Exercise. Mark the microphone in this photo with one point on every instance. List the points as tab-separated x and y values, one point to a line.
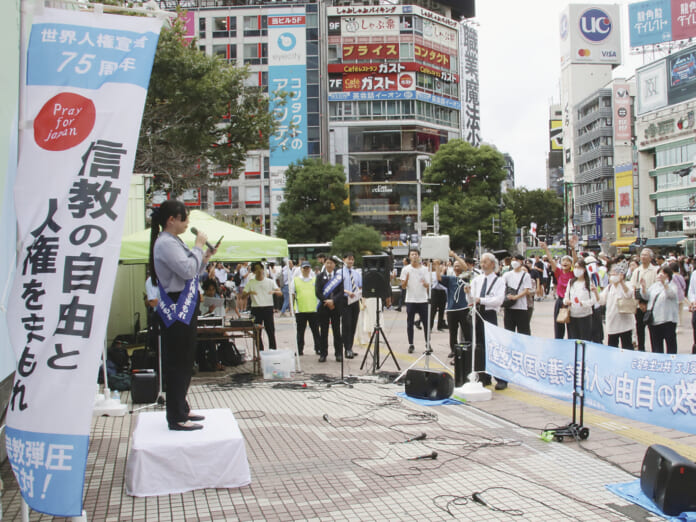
422	436
326	418
194	231
432	456
337	260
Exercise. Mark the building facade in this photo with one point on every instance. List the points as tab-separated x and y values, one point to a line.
380	89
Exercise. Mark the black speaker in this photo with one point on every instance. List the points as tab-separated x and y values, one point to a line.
144	386
377	276
462	363
669	480
434	385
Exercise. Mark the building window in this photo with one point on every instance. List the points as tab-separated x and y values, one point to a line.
251	54
406	51
251	26
334	54
201	28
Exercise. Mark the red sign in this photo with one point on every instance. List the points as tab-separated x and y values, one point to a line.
391	68
286	20
362	82
432	56
406	81
381	51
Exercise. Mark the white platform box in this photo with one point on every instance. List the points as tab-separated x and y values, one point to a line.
163	462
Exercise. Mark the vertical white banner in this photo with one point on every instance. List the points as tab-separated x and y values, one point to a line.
84	93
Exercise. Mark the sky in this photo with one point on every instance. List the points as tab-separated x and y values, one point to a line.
519	71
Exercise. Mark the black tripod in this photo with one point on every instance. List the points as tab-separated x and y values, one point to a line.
377	332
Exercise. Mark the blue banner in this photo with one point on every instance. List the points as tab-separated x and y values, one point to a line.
655	388
88	57
650	22
395	95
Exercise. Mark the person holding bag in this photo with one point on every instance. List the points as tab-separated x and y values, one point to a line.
618	297
563	274
518	284
580	297
662	311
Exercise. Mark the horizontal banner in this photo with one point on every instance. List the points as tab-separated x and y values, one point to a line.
654	388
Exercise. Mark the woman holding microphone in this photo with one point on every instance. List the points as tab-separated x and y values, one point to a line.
175	269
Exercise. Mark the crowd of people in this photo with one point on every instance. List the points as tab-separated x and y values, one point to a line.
597	298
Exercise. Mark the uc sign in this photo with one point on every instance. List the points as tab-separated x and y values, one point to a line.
595	25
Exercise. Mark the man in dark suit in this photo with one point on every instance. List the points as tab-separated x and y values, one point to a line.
329	290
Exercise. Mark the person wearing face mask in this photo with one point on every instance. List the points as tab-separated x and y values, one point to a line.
580	297
662	302
517	317
563	275
619	325
646	273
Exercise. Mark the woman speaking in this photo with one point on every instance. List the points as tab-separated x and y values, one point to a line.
175	269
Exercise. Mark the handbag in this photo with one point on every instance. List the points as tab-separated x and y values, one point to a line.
627	305
509	291
563	315
647	317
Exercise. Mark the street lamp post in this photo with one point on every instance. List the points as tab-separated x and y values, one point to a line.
418	193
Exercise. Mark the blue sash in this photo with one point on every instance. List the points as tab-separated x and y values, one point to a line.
183	309
331	285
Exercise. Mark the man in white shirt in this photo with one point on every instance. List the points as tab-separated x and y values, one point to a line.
261	289
487	292
516	317
691	296
645	272
416	280
352	293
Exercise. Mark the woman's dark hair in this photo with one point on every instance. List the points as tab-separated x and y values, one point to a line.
667	270
160	216
582	263
210	282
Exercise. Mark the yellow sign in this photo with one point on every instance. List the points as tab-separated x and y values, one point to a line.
623	183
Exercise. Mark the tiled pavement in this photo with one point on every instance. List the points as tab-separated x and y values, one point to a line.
354	466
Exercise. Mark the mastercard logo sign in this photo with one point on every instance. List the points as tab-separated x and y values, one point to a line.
584	52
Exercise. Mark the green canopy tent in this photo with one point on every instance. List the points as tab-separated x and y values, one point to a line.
238	244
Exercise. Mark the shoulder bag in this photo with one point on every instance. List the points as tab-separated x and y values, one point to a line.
563	315
509	291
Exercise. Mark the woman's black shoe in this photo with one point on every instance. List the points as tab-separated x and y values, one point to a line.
185	426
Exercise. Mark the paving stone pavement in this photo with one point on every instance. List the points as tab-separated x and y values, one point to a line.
355	466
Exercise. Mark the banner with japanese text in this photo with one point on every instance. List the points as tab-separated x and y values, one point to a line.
287	72
658	389
83	96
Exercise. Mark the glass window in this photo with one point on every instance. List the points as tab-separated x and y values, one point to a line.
201	28
312	49
406	24
220	28
333	53
406	51
251	54
251	23
220	50
312	21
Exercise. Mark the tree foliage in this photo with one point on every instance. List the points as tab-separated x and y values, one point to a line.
467	188
314	210
199	116
543	207
358	239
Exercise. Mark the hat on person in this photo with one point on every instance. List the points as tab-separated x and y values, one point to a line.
590	259
306	264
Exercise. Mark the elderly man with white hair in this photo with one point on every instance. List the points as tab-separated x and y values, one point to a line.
645	273
487	292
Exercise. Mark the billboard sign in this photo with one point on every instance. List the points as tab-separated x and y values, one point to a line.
590	34
623	181
369	26
287	71
556	134
649	22
683	19
651	82
375	51
681	84
622	112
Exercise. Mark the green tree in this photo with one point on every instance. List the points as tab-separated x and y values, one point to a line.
543	207
199	117
314	210
467	183
359	239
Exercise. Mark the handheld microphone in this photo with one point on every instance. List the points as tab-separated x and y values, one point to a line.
432	456
326	418
422	436
194	231
337	260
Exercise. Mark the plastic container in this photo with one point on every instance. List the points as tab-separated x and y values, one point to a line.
277	364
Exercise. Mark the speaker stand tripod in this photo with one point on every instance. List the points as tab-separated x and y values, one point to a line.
378	333
428	353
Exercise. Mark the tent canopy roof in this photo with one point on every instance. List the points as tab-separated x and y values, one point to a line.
238	244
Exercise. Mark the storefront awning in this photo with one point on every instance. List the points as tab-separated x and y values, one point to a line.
624	242
664	241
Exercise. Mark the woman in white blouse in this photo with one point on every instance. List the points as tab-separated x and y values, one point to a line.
580	298
619	325
662	297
